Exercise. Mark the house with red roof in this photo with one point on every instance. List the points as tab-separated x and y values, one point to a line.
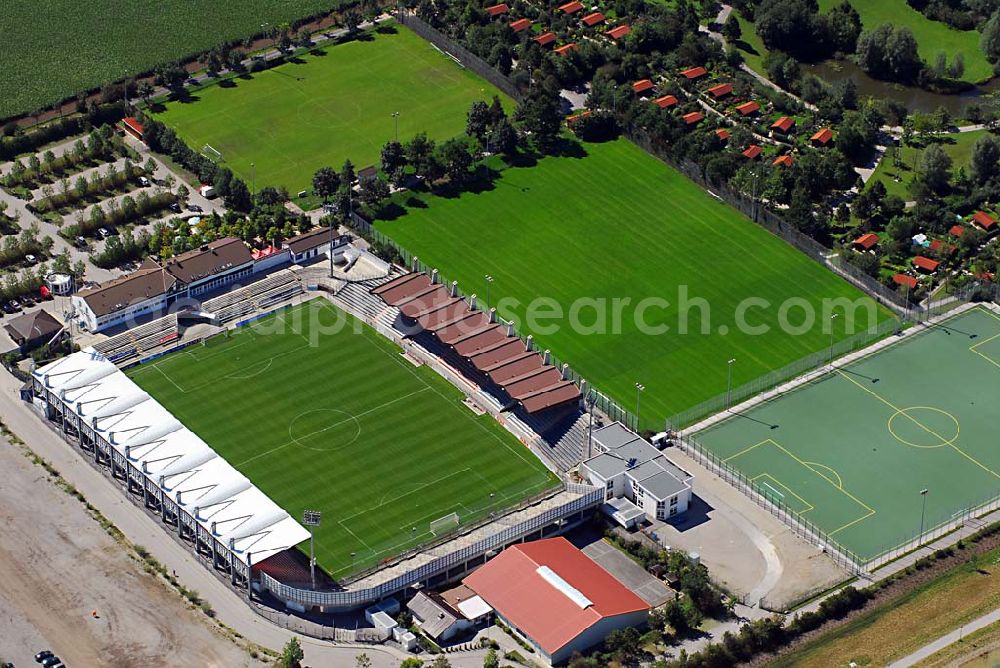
694	73
693	117
593	19
132	126
545	38
905	280
783	125
642	86
984	221
665	102
865	242
497	10
723	134
520	25
556	597
748	108
618	32
783	161
925	264
719	91
564	49
752	152
571	7
956	231
822	137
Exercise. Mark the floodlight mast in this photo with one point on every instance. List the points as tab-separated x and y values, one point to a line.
312	518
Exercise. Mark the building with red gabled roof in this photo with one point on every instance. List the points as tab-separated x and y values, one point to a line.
571	7
694	73
865	242
564	49
593	19
783	124
984	221
939	246
748	108
642	86
904	279
720	91
753	151
619	31
783	160
570	120
822	137
956	231
557	597
692	117
132	126
498	10
723	134
545	38
665	102
520	25
925	264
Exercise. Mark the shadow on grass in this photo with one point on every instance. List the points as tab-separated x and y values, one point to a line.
743	45
385	29
393	210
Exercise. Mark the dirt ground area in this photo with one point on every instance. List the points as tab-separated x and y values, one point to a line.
746	549
58	565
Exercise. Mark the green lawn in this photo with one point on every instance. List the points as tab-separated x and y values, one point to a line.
333	105
52	50
618	224
897	179
851	451
931	36
322	413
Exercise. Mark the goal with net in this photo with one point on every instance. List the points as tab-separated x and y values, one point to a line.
444	524
211	153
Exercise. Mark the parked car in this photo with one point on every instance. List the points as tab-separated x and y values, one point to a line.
11	307
105	232
143	181
175	207
30	259
195	208
7	664
44	654
81	242
26	301
52	662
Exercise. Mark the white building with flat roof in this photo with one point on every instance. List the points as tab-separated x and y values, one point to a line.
629	467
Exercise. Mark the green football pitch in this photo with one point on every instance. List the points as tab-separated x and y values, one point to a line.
322	413
581	232
331	105
851	451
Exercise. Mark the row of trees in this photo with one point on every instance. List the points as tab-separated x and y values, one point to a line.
129	210
122	248
15	247
99	185
797	27
17	141
101	145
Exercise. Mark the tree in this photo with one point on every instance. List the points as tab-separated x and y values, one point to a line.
325	183
478	121
731	29
455	159
935	169
171	76
985	158
374	192
441	662
347	173
889	52
292	654
393	157
491	660
239	198
989	41
540	114
418	153
411	662
503	138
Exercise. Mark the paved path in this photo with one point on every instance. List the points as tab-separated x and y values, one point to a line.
932	648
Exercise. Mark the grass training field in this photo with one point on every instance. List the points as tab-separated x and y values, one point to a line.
52	50
958	145
333	105
619	224
344	425
931	36
852	451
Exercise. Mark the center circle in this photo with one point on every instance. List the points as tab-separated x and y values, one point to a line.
324	429
924	427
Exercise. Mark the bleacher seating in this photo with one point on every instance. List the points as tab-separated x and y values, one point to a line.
259	295
139	339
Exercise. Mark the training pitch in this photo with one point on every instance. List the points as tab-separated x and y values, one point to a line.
342	423
608	222
330	105
852	451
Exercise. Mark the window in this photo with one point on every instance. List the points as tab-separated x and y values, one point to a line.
673	501
673	511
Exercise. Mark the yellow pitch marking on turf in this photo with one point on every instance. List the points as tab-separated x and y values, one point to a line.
808	506
746	450
839	484
922	426
986	357
906	413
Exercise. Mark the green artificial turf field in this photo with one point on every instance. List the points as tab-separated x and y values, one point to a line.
344	425
293	119
620	224
54	49
958	145
931	36
851	451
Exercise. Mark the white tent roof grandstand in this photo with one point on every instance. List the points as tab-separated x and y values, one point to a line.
221	499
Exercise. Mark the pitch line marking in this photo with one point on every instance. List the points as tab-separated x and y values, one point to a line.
746	450
840	482
808	506
986	357
393	500
917	422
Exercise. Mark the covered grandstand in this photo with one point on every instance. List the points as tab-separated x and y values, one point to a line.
209	503
492	348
